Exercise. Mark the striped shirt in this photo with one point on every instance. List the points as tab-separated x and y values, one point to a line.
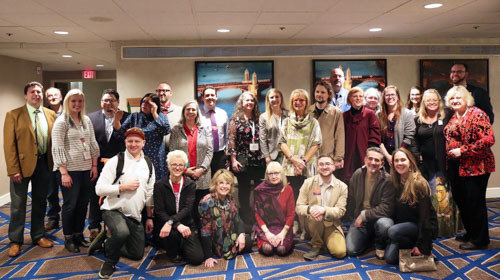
70	142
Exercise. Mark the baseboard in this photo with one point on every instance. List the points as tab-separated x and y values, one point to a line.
492	192
4	199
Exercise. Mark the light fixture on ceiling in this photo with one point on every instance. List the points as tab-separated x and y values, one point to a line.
99	65
223	30
100	19
375	29
66	56
433	6
60	32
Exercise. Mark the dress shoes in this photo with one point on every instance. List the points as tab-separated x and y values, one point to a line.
80	240
462	238
71	246
45	243
51	225
471	246
14	250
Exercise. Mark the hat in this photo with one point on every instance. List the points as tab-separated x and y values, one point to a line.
135	131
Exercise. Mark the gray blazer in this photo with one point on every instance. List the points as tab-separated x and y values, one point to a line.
269	137
405	131
204	151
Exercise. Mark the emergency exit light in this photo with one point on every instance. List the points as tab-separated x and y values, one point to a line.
88	74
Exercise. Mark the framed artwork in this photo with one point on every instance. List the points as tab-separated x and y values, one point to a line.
435	73
364	73
231	78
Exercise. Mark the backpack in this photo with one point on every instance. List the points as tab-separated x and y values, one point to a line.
119	166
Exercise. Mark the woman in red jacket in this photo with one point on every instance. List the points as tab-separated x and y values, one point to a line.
469	137
361	128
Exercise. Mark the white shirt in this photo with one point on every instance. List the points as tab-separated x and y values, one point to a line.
128	203
221	119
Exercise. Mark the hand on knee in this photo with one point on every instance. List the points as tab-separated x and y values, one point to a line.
266	249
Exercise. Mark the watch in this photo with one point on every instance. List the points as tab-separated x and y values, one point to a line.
170	222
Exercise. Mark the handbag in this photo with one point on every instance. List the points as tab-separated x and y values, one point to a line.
409	263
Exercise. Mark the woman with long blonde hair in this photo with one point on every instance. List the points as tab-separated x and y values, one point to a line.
415	220
270	123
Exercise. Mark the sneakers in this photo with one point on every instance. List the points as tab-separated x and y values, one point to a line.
106	271
380	254
312	254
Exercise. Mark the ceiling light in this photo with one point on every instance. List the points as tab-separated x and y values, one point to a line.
223	30
61	32
99	65
67	56
376	29
433	6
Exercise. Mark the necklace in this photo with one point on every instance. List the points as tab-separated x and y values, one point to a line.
224	206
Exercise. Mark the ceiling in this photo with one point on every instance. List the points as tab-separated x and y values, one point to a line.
94	26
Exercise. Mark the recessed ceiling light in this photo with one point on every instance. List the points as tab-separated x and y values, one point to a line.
433	6
67	56
101	19
376	29
99	65
223	30
59	32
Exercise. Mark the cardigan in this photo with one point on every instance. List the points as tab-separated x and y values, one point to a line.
331	123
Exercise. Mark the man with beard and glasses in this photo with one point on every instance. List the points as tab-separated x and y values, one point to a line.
458	77
323	200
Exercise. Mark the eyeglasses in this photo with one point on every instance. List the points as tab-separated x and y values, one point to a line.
431	101
457	72
174	165
163	90
390	95
108	100
299	100
272	174
325	164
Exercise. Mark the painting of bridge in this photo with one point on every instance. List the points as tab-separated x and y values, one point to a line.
231	78
435	73
358	73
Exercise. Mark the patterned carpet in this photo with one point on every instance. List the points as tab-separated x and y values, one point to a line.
56	263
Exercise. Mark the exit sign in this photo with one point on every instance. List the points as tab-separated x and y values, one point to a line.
88	74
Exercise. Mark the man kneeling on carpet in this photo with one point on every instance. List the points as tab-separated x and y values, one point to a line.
126	194
323	200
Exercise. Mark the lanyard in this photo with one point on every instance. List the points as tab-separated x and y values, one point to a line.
252	123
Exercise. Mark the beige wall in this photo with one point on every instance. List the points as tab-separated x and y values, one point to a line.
14	74
136	77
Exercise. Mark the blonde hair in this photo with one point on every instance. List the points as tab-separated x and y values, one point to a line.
222	175
276	165
422	113
299	93
269	110
197	119
81	114
416	186
382	115
463	92
353	91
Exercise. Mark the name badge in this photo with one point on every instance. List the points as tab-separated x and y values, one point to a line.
440	122
316	192
254	147
86	155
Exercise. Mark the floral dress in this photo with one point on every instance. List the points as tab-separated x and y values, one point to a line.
220	226
240	138
154	130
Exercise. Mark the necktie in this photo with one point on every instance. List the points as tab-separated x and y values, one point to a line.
215	131
39	134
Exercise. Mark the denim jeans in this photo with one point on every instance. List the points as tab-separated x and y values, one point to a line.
127	237
75	201
360	239
53	198
401	236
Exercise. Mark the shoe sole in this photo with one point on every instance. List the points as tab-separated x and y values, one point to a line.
94	245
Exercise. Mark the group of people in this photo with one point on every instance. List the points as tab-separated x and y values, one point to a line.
337	155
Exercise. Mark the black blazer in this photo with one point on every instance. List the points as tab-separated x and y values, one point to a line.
115	144
482	100
165	203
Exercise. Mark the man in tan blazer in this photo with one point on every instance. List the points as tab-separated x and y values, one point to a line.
323	200
27	149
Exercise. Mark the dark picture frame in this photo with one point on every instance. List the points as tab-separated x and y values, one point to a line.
231	78
364	73
435	73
